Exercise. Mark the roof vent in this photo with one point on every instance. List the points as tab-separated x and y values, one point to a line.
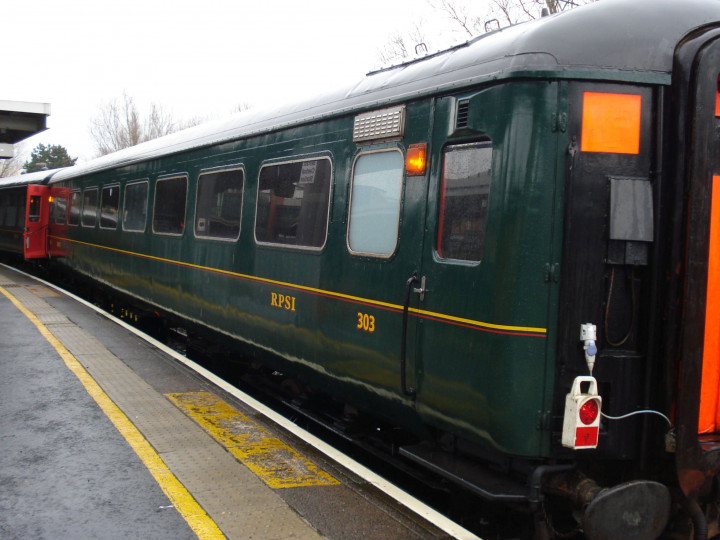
461	118
379	125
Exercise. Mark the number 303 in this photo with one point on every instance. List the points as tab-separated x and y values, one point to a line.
366	322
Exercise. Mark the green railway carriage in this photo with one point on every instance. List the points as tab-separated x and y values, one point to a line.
486	247
321	235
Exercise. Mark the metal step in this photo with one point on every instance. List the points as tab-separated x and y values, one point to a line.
479	479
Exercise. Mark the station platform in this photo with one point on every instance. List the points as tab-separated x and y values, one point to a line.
104	435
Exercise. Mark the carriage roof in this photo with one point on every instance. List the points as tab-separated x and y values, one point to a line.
631	40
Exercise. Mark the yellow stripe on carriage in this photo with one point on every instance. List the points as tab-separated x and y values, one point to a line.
500	328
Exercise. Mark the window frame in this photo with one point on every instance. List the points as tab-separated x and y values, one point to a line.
482	143
216	170
82	212
167	178
400	202
100	206
278	163
124	205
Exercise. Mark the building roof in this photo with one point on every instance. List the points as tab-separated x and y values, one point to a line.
20	120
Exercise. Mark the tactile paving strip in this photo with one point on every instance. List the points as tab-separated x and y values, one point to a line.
278	465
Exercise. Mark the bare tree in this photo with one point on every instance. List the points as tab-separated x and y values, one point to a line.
10	167
116	126
402	46
119	125
14	165
555	6
470	20
159	123
461	15
244	106
515	11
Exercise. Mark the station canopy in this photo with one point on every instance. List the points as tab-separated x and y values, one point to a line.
20	120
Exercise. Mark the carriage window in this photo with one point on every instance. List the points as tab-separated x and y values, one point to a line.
74	216
169	210
109	204
19	209
293	203
375	203
58	210
15	211
6	205
219	201
34	209
135	207
464	201
89	207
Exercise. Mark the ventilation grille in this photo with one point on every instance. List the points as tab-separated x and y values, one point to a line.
461	118
382	124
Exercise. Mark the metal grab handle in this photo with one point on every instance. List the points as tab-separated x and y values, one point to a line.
29	232
422	290
410	392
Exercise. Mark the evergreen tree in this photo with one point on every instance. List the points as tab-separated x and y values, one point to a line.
51	156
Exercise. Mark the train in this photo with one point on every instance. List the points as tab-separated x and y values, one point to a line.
508	251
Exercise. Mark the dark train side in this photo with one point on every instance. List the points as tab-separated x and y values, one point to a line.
510	249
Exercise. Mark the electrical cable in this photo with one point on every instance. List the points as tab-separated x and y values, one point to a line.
607	310
647	411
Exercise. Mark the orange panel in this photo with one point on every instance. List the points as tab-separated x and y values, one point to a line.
709	417
717	97
611	123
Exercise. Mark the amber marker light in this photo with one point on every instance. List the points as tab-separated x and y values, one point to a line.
416	159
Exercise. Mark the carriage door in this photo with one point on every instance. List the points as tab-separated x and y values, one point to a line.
37	212
698	403
488	268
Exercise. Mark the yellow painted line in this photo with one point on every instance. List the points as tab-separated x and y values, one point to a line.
520	330
201	524
278	465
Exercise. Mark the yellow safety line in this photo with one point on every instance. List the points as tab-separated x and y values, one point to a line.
273	461
191	511
501	328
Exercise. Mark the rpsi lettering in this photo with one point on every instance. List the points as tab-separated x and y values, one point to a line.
282	301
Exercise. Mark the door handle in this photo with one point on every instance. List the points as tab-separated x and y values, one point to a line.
421	290
410	392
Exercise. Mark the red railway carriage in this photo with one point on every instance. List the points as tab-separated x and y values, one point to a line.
25	215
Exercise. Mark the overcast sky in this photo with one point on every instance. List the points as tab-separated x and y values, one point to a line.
198	58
